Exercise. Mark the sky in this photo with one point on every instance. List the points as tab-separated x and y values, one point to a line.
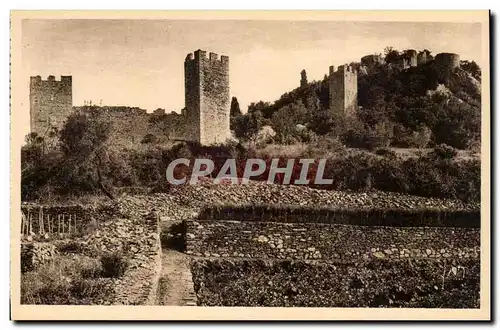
141	62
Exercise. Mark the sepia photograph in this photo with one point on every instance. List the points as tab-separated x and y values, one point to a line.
320	161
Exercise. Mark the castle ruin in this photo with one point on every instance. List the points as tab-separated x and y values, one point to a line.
372	60
445	63
343	86
51	102
207	98
205	118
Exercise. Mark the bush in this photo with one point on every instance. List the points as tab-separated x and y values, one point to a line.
386	152
324	145
444	151
85	289
91	270
113	264
149	138
70	247
65	281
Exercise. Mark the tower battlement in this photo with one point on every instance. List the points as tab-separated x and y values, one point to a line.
207	97
201	55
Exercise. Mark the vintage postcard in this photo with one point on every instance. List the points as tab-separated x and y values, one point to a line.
224	165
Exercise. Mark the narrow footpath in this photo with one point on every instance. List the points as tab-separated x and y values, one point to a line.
175	287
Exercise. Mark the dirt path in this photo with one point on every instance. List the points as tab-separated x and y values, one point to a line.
175	287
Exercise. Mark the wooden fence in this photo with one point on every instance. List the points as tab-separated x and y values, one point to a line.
42	219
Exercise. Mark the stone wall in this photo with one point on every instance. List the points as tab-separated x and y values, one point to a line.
141	240
36	253
207	97
131	124
302	241
416	216
372	60
137	240
50	103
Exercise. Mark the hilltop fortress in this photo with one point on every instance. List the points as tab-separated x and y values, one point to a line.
205	118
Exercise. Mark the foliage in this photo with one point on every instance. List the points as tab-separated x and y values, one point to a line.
113	264
67	280
149	138
444	151
472	68
286	121
246	127
235	108
371	283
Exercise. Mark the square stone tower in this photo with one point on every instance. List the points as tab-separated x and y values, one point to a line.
51	102
343	90
207	97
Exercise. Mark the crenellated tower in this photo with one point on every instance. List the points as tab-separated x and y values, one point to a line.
207	99
51	102
343	90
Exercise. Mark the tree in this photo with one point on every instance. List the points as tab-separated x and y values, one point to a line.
422	137
40	168
472	68
32	152
235	108
265	108
391	55
234	112
247	127
83	143
285	121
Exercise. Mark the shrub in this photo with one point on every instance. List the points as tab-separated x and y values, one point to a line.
324	145
386	152
113	264
65	281
444	151
91	270
86	289
70	247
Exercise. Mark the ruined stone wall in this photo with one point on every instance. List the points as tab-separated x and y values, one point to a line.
320	241
422	58
343	90
412	57
51	103
131	124
207	97
371	60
